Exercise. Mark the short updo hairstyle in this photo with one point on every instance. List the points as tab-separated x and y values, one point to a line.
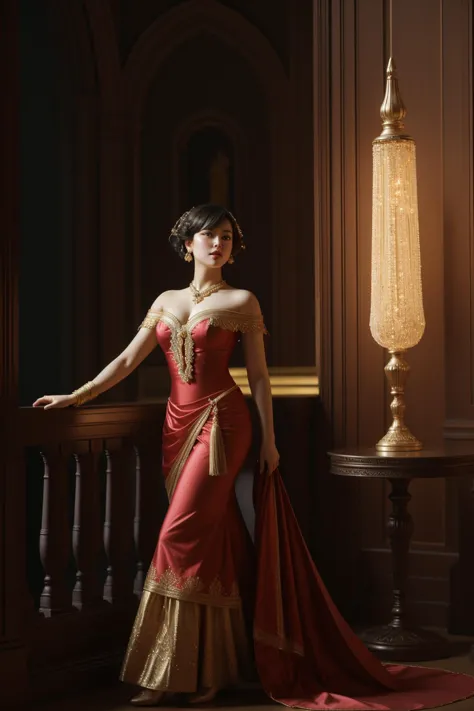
204	217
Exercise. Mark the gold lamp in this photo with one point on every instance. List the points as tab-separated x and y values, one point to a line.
397	320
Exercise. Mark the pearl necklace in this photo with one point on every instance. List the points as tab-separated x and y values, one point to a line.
199	295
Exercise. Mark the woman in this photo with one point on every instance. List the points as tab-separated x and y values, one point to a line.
190	634
191	596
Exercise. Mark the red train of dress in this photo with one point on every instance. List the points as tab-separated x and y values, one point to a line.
307	655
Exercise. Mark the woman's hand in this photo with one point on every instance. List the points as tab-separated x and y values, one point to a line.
47	402
269	456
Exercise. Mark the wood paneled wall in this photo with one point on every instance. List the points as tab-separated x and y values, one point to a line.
458	216
13	653
432	46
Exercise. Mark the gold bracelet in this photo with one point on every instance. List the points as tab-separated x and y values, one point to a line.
150	321
84	393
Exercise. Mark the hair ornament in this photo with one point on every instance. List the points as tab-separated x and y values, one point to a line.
239	231
181	220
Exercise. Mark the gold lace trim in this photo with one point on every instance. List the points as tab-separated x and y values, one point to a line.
182	344
191	588
244	324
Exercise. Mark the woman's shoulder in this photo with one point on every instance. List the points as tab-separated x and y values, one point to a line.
165	300
245	301
243	313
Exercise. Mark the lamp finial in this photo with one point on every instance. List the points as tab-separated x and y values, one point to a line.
393	109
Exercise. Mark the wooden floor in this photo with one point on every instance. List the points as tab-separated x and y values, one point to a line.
116	698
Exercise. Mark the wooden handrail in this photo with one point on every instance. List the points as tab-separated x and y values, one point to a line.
36	427
114	452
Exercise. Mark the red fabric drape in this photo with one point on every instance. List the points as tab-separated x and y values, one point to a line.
307	656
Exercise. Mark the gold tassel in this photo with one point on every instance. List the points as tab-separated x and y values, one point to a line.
217	459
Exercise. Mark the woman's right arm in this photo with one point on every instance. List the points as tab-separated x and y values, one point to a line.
118	369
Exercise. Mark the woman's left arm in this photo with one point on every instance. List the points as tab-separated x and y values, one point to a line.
259	382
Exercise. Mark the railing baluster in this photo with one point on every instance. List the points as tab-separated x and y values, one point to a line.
108	586
71	649
118	525
150	506
54	541
139	577
86	533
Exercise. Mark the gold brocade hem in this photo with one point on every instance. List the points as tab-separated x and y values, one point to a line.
191	588
180	646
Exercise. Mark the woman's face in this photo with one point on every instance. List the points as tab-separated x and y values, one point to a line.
212	247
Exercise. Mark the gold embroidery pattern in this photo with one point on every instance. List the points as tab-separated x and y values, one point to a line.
182	344
170	584
181	340
150	321
170	581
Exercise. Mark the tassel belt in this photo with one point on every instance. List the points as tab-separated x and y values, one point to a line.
217	458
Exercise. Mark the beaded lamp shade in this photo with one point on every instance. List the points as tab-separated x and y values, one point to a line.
397	319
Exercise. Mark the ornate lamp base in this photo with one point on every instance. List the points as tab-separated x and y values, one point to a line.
398	438
405	644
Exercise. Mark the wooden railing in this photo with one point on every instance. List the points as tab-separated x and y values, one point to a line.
94	503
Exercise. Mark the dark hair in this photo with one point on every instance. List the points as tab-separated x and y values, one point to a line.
201	218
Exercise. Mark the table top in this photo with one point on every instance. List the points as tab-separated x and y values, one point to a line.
442	459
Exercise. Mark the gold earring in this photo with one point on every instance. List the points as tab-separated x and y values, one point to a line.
231	260
188	257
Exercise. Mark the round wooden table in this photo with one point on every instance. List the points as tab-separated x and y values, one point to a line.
400	639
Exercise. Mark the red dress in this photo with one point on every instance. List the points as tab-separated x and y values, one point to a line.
190	631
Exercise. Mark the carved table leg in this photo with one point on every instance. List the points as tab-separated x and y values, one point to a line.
400	640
